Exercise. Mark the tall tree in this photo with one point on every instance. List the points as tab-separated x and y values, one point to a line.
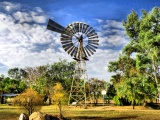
139	62
144	33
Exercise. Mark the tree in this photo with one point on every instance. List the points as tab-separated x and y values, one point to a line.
1	88
62	72
8	85
35	72
59	97
30	99
136	75
95	88
43	78
12	86
144	33
17	73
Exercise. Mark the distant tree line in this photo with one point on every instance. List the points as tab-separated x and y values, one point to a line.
42	79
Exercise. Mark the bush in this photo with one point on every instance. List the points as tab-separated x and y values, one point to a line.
30	100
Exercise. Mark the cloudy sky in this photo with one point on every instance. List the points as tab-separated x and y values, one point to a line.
25	41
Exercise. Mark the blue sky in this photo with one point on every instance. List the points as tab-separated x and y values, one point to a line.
25	41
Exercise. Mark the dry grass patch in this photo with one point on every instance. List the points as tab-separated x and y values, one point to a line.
101	113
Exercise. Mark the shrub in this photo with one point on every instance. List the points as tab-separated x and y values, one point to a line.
30	99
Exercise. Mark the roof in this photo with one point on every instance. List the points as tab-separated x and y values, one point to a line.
10	95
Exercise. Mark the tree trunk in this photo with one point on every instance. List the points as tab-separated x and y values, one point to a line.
50	101
133	103
155	72
60	110
144	101
2	100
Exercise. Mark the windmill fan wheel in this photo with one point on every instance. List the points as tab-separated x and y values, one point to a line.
79	40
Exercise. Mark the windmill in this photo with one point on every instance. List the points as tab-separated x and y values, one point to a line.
80	41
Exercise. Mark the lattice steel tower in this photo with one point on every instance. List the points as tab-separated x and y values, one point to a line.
80	41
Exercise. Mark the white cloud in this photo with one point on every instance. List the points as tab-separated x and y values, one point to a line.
113	23
111	33
97	65
99	20
18	39
9	7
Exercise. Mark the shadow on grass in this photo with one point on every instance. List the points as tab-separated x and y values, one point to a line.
101	118
155	106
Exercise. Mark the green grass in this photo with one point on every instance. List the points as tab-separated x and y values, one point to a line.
102	112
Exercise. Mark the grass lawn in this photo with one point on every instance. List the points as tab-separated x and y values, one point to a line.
100	113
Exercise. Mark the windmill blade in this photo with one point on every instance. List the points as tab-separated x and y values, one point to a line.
93	40
93	46
76	26
85	28
90	29
73	24
70	50
91	32
89	50
66	49
72	28
72	53
67	45
65	35
67	32
84	52
80	28
75	52
93	43
93	37
65	39
66	42
94	34
53	26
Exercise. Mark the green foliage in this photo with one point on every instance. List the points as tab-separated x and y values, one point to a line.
9	85
45	77
62	72
49	75
40	78
117	101
137	68
16	73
